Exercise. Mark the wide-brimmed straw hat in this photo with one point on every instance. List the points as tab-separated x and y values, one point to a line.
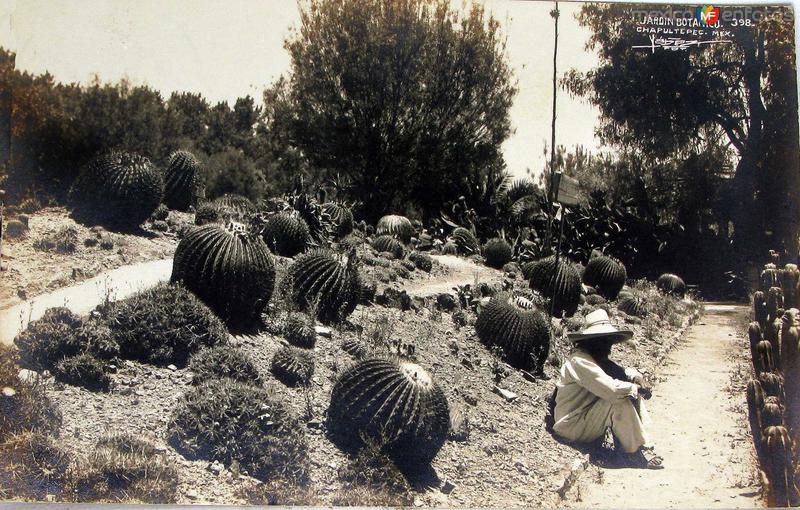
598	326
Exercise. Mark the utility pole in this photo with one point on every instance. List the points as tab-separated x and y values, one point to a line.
554	14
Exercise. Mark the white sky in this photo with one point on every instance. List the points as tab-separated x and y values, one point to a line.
227	49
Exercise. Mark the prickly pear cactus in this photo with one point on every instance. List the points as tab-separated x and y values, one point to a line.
182	183
120	187
389	244
522	333
606	274
230	270
671	284
286	234
562	284
465	241
497	252
327	282
396	403
293	366
397	226
341	217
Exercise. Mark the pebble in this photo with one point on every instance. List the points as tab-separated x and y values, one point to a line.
172	367
323	331
509	395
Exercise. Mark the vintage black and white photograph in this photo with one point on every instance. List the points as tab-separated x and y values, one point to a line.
399	253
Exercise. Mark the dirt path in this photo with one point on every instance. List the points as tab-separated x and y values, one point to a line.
698	427
460	272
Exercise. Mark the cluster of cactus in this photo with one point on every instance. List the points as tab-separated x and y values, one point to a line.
465	241
671	284
606	274
396	404
561	283
286	234
497	252
396	226
328	283
183	186
293	366
119	187
229	269
388	244
518	328
341	217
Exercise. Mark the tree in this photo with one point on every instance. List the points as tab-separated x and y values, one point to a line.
407	99
669	104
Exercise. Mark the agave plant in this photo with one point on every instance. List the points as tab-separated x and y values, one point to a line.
466	241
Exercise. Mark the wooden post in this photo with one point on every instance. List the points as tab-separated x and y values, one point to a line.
550	198
6	102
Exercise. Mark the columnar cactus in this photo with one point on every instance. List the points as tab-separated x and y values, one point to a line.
341	217
561	284
396	403
183	186
120	187
778	451
285	234
790	279
229	269
606	274
755	335
671	284
397	226
523	334
774	302
329	283
770	277
497	252
293	366
466	241
387	243
760	308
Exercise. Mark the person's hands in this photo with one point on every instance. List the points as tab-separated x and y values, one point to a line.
645	392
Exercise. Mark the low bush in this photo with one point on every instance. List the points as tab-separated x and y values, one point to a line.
15	229
24	405
164	325
229	421
83	370
223	361
371	479
33	467
64	241
161	213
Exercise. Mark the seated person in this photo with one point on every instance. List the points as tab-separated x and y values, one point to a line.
593	393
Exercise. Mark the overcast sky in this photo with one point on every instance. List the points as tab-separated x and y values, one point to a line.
226	49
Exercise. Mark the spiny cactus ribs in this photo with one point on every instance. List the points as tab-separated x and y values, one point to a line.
293	366
119	187
465	241
562	284
387	243
182	184
341	217
354	347
224	209
328	282
770	277
522	333
286	234
605	274
396	403
397	226
422	261
299	330
230	270
634	306
497	253
671	284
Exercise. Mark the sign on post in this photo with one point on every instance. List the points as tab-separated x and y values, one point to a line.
567	192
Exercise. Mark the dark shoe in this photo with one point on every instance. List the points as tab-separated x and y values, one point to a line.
645	459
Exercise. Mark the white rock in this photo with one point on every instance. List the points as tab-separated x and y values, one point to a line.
509	395
27	376
323	331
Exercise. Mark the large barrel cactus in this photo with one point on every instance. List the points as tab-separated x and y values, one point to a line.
561	284
397	226
671	284
466	241
395	403
230	270
182	184
119	187
327	282
341	217
522	333
286	234
606	274
387	243
633	305
497	252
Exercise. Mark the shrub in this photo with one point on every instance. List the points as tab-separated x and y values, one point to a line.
64	240
183	186
229	421
223	361
160	226
286	234
15	229
299	330
32	466
671	284
595	299
230	270
388	244
371	479
26	407
326	281
396	226
497	253
161	213
465	241
606	274
341	217
396	404
561	284
293	366
83	370
164	325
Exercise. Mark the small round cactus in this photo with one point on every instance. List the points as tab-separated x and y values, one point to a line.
229	269
633	306
341	217
286	234
389	244
354	347
465	241
396	403
522	332
562	284
497	252
449	248
120	187
422	261
671	284
595	299
605	274
397	226
299	330
293	366
327	282
182	184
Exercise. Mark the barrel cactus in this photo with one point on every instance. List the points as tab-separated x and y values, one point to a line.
634	306
671	284
606	274
449	248
239	204
230	270
354	347
389	244
293	366
522	333
326	282
396	403
465	241
422	261
341	217
119	187
298	328
285	234
497	252
182	182
561	284
397	226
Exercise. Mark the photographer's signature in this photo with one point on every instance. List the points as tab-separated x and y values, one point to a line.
676	43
